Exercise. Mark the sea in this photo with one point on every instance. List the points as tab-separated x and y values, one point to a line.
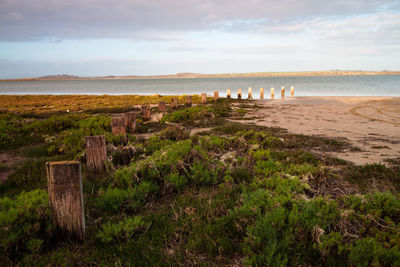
358	85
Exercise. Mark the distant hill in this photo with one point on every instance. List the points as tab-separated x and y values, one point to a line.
59	77
221	75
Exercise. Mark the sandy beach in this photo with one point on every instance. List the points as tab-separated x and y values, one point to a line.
369	123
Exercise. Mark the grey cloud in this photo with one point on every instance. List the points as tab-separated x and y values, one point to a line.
37	19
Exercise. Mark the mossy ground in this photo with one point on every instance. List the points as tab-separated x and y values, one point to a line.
235	195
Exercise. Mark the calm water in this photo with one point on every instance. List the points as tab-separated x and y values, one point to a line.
381	85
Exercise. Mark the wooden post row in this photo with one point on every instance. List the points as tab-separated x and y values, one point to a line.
146	112
118	124
228	93
292	91
203	98
261	93
188	101
283	92
64	182
250	93
174	103
272	92
96	153
239	93
216	95
161	106
130	122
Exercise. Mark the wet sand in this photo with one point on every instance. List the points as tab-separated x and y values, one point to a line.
369	123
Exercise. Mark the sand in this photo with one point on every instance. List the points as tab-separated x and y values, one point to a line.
369	123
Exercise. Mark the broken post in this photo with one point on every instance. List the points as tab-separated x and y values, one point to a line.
188	101
292	91
250	93
118	125
216	95
228	93
283	92
64	183
272	92
174	103
161	106
130	121
96	153
261	93
203	98
240	93
146	112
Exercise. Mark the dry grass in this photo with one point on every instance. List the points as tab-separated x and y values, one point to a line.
41	104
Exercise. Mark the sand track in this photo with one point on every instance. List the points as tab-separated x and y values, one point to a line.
370	123
374	105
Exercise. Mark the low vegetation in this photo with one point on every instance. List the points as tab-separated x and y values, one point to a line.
237	194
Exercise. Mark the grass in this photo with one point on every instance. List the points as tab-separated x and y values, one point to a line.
237	194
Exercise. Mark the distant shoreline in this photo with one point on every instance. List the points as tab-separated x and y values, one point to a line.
65	77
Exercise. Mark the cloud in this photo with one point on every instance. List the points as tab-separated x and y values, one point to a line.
75	19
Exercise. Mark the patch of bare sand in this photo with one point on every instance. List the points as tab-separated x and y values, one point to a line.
370	123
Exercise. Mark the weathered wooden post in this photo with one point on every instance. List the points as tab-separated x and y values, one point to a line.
130	121
118	124
292	91
146	112
283	92
261	93
174	103
64	185
228	93
188	101
216	95
161	106
96	153
272	92
250	93
203	98
240	93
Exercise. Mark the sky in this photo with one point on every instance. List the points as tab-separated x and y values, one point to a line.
130	37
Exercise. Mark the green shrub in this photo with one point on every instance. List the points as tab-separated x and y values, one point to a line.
174	133
72	141
365	175
177	180
189	115
202	174
155	143
25	223
124	229
114	199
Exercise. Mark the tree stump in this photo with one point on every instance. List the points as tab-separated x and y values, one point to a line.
146	112
188	101
250	93
130	121
174	103
272	92
96	153
161	106
64	182
216	96
118	124
261	93
228	93
203	98
240	93
283	92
